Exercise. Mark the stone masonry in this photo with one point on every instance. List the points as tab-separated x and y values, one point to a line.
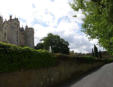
11	32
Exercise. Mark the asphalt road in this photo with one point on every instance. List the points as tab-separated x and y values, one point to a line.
100	78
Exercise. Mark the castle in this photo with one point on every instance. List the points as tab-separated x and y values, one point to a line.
11	32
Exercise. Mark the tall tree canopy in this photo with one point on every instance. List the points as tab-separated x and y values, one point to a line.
98	21
57	44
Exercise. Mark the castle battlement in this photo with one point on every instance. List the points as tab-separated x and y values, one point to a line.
11	32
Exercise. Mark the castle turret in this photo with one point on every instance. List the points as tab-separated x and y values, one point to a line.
29	37
13	31
5	28
21	37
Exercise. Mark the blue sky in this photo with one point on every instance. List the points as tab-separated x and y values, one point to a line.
49	16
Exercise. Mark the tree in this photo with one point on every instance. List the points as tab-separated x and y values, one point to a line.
100	55
98	21
57	44
92	52
95	51
39	46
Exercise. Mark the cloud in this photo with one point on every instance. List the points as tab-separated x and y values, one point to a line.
49	16
41	22
52	0
68	31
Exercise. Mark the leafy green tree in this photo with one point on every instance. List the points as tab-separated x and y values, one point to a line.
39	46
98	21
58	45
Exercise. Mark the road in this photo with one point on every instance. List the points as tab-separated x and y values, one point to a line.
100	78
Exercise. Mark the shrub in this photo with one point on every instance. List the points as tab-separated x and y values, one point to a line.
14	58
109	60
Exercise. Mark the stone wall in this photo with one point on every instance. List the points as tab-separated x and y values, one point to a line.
45	77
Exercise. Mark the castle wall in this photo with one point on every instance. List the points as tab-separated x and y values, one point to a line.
1	34
29	37
1	30
5	28
21	37
11	32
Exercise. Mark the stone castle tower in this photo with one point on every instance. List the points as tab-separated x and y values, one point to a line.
11	32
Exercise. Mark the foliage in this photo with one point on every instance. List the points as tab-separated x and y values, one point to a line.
96	51
78	59
100	54
14	58
57	44
110	60
92	52
39	46
87	59
98	21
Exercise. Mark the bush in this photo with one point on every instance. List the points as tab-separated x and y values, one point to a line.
14	58
109	60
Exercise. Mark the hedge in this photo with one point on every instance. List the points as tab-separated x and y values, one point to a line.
14	58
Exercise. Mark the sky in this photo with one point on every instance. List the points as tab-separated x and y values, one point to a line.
50	16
